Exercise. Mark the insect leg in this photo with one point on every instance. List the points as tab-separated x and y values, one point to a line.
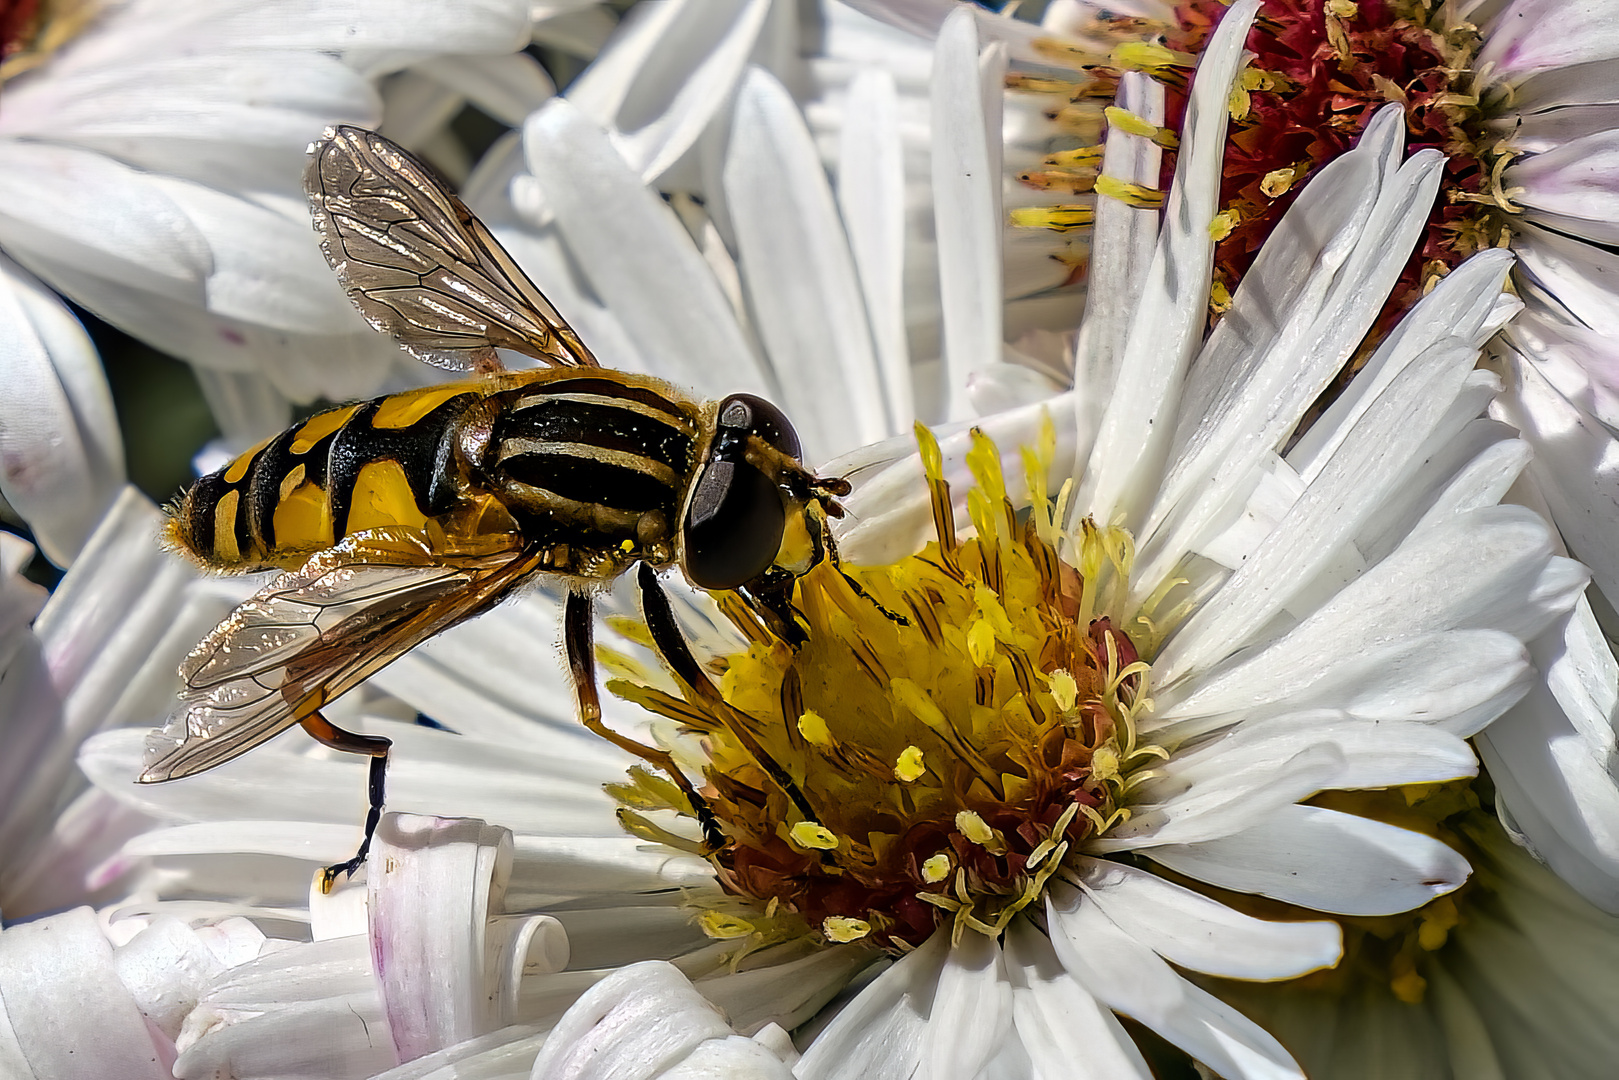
671	644
376	748
578	633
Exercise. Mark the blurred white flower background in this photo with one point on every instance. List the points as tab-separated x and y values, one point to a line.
1357	564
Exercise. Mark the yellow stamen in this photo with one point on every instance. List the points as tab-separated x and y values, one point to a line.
909	767
813	836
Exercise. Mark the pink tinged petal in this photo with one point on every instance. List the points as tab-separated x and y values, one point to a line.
1533	35
882	1032
966	204
1192	931
1324	860
61	461
972	1011
803	293
633	1024
632	247
1066	1032
434	885
1572	188
1130	978
665	76
871	199
1169	315
1122	243
64	1012
1551	756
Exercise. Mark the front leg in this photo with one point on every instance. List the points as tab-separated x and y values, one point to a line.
578	636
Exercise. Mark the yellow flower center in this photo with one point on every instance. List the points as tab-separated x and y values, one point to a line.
953	726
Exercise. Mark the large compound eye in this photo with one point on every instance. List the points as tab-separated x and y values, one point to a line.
733	526
755	415
736	517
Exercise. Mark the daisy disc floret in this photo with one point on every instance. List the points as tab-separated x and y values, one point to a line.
954	726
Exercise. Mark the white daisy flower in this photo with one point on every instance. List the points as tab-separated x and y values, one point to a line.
1517	95
1339	615
150	155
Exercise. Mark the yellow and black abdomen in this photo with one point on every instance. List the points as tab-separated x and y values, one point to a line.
391	461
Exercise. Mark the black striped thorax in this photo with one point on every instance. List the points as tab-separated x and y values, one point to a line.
604	456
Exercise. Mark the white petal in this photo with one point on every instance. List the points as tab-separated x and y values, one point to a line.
434	883
665	76
1193	931
882	1031
1360	475
1130	978
1229	800
1168	322
811	319
1550	757
1576	464
62	459
777	990
632	248
966	208
1458	679
1571	188
58	970
972	1011
1325	861
508	88
633	1024
1067	1033
1122	243
1532	35
871	197
71	205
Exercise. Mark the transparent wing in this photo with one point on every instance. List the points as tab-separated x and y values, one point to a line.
419	266
313	634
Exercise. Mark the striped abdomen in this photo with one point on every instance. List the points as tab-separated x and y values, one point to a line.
391	461
596	465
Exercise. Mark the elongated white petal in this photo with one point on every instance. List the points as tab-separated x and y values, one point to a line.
1193	931
1550	756
1571	188
966	208
666	76
1130	978
1068	1034
63	459
811	319
1359	476
882	1031
972	1011
637	1022
1324	860
1122	244
871	199
1126	463
1228	801
631	248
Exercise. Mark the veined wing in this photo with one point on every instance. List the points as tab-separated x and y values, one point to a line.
313	634
419	266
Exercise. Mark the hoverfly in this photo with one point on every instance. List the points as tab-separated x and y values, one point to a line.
396	518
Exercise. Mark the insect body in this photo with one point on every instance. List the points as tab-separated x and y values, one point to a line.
398	517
